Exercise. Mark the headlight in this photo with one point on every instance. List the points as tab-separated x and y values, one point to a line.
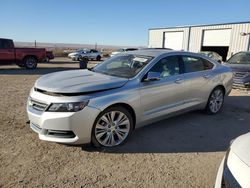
67	107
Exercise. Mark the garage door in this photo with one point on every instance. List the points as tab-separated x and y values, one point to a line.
219	37
173	40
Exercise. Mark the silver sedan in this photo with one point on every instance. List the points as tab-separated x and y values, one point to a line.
105	104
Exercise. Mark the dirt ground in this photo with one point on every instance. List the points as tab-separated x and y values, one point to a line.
184	151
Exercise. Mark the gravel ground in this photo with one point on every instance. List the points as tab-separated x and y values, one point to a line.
183	151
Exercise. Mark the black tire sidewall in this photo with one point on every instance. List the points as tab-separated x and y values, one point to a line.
115	108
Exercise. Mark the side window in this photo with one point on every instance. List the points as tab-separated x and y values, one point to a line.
6	44
207	65
168	66
192	64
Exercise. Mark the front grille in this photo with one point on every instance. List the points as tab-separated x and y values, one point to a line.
37	105
240	74
60	134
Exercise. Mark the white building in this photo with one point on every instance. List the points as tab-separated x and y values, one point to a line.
225	39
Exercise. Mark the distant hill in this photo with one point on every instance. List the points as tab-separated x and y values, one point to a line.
51	46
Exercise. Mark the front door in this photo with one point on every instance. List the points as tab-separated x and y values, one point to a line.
164	95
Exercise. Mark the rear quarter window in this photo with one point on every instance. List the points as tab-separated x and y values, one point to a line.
207	65
195	64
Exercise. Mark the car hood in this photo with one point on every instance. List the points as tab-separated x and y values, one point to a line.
241	147
78	81
238	67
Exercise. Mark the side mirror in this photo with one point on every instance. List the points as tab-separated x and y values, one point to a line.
152	76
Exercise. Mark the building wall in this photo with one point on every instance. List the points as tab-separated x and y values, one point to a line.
237	42
156	37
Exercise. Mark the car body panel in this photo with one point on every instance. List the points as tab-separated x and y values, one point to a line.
219	176
235	166
149	101
78	81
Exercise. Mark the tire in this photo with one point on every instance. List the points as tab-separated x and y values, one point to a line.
30	62
46	60
215	101
111	135
98	58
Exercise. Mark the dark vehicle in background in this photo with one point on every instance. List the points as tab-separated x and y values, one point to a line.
23	57
49	56
212	55
240	65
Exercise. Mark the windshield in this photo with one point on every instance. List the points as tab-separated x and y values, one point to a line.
240	58
126	65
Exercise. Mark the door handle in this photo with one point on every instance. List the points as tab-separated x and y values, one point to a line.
206	76
178	81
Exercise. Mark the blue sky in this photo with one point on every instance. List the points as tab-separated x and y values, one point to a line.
110	22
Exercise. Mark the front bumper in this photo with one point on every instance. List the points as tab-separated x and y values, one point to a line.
63	127
241	85
232	173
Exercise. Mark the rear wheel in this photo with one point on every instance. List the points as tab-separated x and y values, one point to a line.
30	62
46	60
215	101
112	127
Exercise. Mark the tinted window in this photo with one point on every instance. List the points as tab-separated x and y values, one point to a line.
168	66
240	58
6	44
207	65
194	64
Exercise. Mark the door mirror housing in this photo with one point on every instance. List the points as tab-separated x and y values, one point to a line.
152	76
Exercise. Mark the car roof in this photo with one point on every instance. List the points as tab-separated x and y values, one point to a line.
152	53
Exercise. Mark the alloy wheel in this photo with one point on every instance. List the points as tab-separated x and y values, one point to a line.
112	128
216	100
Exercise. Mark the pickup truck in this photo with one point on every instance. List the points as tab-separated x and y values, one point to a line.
23	57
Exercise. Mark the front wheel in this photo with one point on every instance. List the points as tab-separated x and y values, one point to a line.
46	60
30	62
215	101
112	127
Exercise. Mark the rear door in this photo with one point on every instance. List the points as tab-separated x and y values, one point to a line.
198	79
93	54
7	51
165	95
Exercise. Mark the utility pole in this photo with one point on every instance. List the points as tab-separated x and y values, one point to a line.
35	43
95	46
